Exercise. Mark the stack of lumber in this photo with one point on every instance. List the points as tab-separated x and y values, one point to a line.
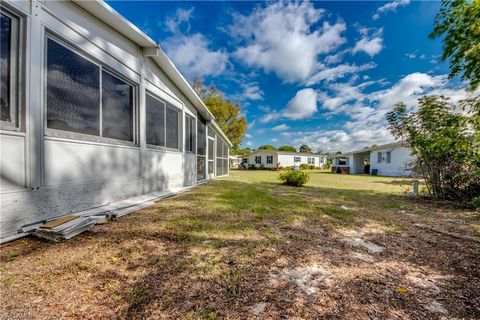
66	227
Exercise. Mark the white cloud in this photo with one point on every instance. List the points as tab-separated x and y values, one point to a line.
302	106
390	6
370	44
339	71
274	140
181	18
249	143
367	110
280	38
191	54
250	91
281	127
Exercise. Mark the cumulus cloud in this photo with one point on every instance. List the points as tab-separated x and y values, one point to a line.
191	53
303	105
281	38
250	91
179	20
390	6
366	110
281	127
370	44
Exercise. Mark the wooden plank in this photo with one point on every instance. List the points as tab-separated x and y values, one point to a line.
57	222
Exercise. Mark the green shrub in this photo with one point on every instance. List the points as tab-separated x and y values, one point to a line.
311	167
476	203
252	167
294	178
327	166
303	166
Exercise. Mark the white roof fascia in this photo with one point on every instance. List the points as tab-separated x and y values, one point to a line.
112	18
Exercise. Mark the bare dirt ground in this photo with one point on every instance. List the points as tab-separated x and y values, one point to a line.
245	247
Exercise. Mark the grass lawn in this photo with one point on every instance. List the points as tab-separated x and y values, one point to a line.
343	246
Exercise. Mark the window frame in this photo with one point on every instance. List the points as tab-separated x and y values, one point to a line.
259	159
166	104
51	132
16	70
193	133
311	160
269	159
295	159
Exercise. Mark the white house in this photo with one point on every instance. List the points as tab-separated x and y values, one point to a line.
93	112
392	159
274	159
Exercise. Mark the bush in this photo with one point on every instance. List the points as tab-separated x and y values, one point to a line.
294	178
476	203
303	166
446	144
252	167
327	166
311	167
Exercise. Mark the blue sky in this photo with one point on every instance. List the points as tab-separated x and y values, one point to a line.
321	73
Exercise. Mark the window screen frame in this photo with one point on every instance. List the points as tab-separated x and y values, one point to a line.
193	133
166	105
16	71
269	160
51	132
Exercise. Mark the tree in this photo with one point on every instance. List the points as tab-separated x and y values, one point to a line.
460	21
338	152
287	148
305	148
446	143
241	152
267	147
226	113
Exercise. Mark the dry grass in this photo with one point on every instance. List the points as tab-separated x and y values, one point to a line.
247	247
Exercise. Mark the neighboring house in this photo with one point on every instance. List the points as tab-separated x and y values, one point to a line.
392	159
275	159
93	112
234	161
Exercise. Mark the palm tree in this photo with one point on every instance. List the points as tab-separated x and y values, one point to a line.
305	148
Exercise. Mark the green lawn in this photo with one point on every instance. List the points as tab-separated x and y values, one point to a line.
343	246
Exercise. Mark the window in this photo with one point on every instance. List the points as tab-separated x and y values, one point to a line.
210	155
311	160
201	148
117	108
297	159
201	139
342	161
161	123
222	157
74	87
269	159
190	133
389	156
155	124
379	157
9	53
258	159
172	117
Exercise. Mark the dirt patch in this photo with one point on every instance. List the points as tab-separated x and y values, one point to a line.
308	279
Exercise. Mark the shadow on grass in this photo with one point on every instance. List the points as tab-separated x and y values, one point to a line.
222	241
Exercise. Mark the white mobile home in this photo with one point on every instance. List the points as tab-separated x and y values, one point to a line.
392	159
272	159
93	112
